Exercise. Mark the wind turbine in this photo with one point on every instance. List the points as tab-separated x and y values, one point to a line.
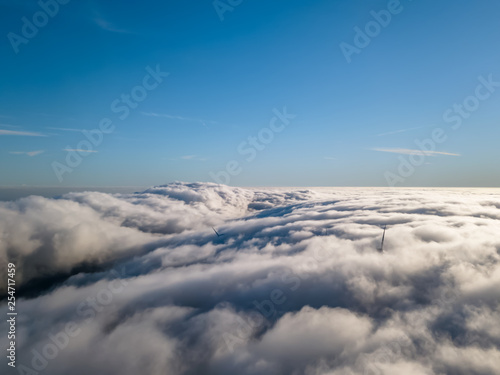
217	233
383	238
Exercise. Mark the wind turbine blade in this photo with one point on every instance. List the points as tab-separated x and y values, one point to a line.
383	238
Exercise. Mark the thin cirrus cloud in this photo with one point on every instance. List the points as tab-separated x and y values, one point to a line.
78	150
407	151
399	131
181	118
189	157
66	129
105	25
21	133
28	153
100	20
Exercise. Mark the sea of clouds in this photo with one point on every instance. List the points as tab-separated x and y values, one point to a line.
296	284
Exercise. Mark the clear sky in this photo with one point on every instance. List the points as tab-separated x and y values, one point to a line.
360	102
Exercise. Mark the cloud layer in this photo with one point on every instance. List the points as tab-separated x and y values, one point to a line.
140	283
406	151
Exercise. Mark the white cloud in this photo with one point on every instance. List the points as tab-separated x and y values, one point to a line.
295	286
192	157
20	133
399	131
29	153
406	151
174	117
66	129
108	26
78	150
189	157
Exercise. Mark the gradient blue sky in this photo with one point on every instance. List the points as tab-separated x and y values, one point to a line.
226	77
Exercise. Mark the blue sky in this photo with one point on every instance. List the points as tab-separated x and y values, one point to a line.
355	122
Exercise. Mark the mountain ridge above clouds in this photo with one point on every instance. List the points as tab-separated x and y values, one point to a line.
295	286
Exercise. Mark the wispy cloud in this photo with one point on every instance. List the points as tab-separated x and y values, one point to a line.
329	158
108	26
190	157
193	157
78	150
66	129
399	131
181	118
29	153
21	133
407	151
